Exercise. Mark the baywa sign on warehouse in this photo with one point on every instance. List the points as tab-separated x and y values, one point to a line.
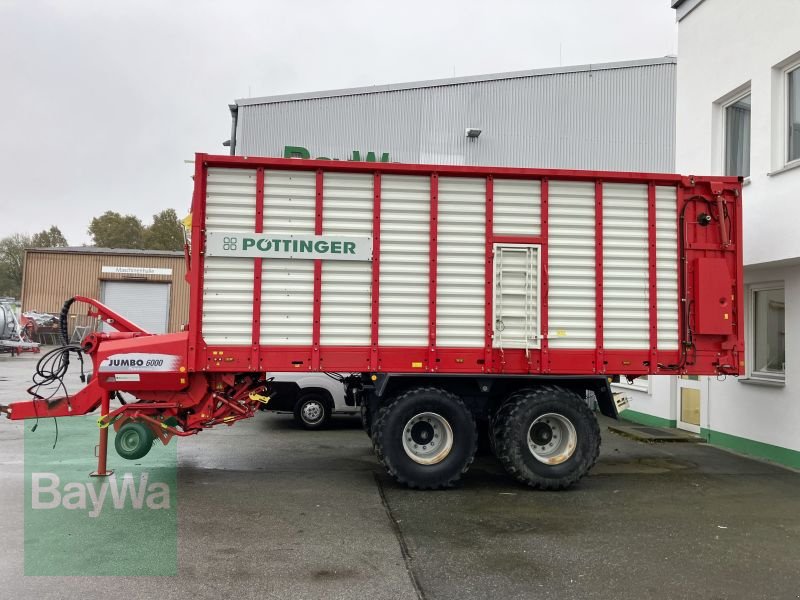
301	152
257	245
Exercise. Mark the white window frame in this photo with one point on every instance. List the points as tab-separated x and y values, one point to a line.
779	142
795	66
750	336
638	387
724	104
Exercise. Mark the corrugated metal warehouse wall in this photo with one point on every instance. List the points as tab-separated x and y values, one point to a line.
617	116
52	276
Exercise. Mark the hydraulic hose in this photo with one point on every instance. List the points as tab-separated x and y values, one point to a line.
63	321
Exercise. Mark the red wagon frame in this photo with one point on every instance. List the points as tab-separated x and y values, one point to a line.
697	354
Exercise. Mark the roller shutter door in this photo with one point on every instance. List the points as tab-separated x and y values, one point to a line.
145	304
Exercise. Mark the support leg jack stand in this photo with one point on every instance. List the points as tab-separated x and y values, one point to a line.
102	448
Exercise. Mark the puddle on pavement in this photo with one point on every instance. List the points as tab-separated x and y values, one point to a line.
641	466
333	574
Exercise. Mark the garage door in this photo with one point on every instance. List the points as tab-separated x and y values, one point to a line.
145	304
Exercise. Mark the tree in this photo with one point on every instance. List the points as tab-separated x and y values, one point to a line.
12	256
49	238
166	232
113	230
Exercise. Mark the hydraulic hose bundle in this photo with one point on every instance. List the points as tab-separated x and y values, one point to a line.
62	321
51	369
53	366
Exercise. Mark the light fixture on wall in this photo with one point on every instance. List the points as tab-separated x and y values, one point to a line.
473	133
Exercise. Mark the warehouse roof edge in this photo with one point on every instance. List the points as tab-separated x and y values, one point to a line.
375	89
97	250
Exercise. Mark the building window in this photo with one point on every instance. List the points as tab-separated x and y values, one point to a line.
641	383
793	114
768	333
737	137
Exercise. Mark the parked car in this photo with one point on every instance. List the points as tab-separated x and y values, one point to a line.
311	397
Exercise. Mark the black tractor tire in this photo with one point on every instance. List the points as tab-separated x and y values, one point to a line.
133	440
485	441
312	411
505	407
540	415
366	424
400	431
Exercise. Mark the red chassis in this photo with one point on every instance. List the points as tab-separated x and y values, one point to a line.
171	402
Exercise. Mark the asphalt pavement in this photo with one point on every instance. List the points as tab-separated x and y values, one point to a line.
267	510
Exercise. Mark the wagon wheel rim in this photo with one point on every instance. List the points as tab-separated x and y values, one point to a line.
552	439
427	438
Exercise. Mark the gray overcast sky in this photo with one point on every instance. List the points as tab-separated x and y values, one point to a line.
103	100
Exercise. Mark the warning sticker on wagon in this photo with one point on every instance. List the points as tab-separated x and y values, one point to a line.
137	362
261	245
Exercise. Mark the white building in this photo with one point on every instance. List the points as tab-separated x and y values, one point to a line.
738	113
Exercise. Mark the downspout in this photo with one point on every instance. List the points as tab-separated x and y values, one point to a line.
234	108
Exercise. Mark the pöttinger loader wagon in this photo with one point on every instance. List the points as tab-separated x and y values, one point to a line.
445	298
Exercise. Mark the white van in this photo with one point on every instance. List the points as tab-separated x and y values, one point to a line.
311	397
